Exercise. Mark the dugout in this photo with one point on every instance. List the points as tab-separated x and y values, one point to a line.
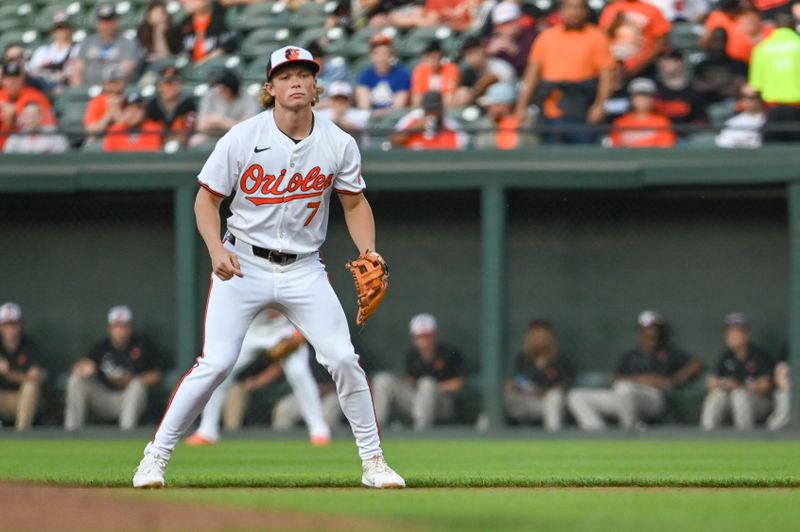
484	240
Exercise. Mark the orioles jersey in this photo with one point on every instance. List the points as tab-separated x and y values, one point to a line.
282	187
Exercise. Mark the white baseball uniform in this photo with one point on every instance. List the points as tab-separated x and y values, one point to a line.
269	328
282	194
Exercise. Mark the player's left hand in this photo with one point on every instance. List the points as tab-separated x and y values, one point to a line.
371	275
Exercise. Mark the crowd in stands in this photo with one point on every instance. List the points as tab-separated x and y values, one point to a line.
113	380
148	75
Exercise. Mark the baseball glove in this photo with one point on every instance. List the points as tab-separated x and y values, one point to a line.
284	348
371	275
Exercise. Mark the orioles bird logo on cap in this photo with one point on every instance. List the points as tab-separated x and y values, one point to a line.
292	54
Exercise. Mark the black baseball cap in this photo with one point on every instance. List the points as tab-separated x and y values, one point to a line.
432	101
226	78
106	12
433	46
736	319
12	68
469	43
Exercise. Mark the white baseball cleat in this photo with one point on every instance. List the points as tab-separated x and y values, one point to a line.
150	473
378	474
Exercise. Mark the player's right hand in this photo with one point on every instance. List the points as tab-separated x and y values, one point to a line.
225	264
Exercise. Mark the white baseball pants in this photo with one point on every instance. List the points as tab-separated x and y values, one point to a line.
301	292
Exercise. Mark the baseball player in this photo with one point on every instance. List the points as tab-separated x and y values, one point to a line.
641	379
741	384
269	333
283	165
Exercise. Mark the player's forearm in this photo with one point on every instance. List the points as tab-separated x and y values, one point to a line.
150	378
452	385
360	222
206	211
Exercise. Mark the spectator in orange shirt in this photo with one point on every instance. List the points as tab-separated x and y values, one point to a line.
133	132
426	128
172	107
15	95
434	73
642	127
204	32
570	74
457	14
638	33
106	108
743	27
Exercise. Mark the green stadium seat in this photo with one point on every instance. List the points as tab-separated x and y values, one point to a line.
15	17
264	41
415	41
685	36
351	48
43	20
204	70
308	15
30	38
266	15
705	139
70	98
327	36
719	112
256	70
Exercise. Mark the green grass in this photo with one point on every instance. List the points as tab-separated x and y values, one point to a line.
424	463
569	485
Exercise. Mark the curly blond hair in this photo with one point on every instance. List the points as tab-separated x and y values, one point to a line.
267	101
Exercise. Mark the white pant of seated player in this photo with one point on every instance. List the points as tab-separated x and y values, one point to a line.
302	292
298	373
288	411
781	412
126	405
425	403
526	407
744	406
626	401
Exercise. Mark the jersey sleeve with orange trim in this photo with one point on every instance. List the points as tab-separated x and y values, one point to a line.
348	179
221	170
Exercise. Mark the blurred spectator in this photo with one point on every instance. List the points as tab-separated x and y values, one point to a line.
742	381
744	129
795	9
510	40
172	108
16	52
640	380
383	86
775	73
479	72
104	48
156	34
770	9
457	14
743	27
426	128
106	108
133	131
33	136
338	107
262	372
204	32
20	371
15	95
501	128
222	107
688	10
642	127
569	74
52	62
435	373
718	76
781	397
113	379
329	71
618	103
541	376
638	33
677	99
434	73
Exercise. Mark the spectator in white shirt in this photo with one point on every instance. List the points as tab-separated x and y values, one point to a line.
52	61
744	129
338	107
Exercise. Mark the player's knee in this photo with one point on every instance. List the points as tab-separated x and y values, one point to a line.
623	388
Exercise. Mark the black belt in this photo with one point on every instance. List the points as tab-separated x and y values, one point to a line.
275	257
